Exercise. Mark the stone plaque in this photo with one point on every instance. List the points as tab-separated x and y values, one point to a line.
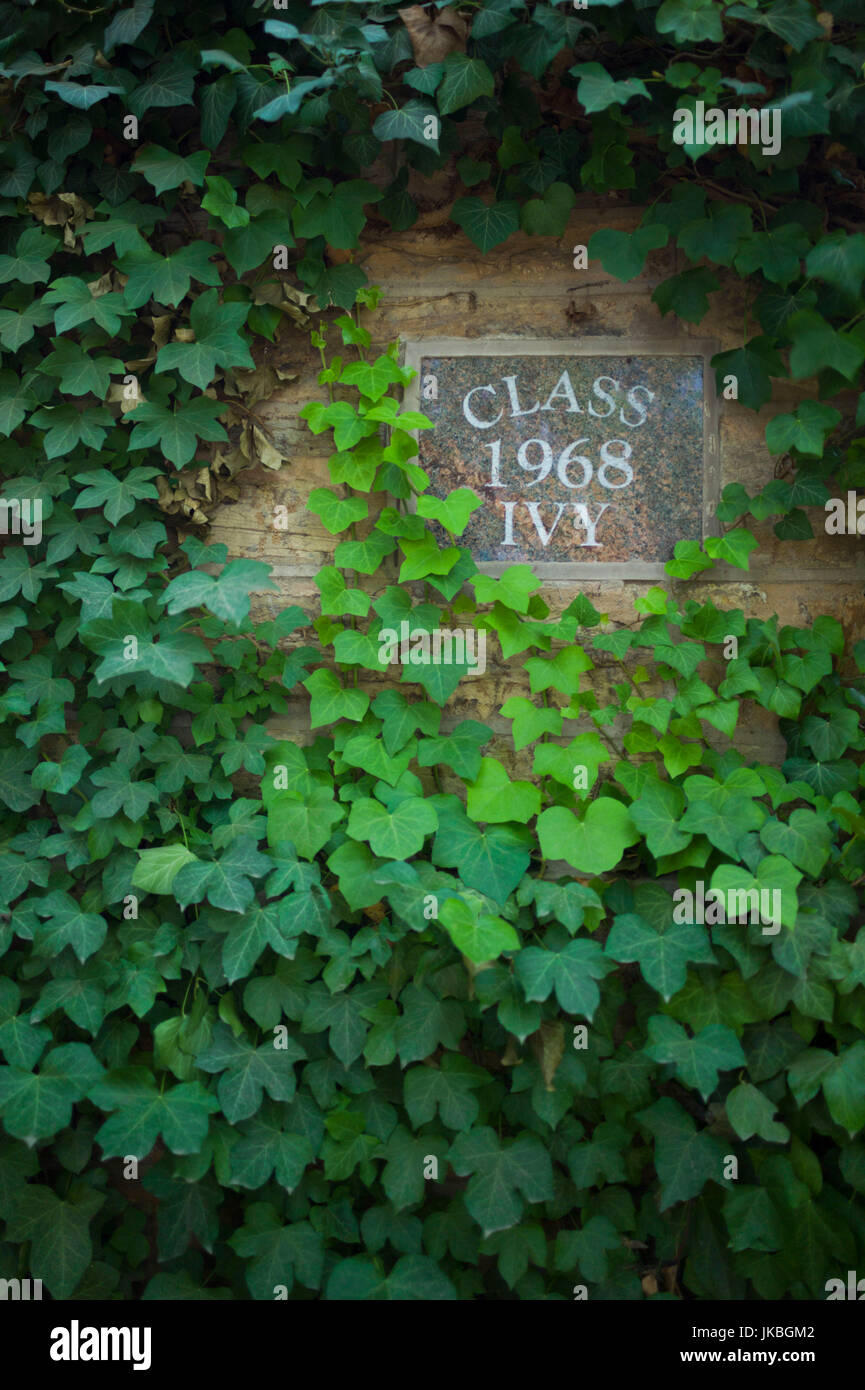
597	455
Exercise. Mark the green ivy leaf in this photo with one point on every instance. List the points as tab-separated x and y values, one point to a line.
597	89
594	844
504	1176
487	225
142	1113
698	1059
463	80
478	936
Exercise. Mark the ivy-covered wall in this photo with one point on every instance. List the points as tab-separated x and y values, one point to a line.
363	1012
436	283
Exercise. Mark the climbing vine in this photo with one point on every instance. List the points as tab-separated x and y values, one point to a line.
371	1017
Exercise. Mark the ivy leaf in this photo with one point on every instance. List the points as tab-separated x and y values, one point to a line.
170	83
571	972
492	861
548	215
330	701
220	201
15	789
141	1113
806	839
342	1015
63	776
163	653
513	588
17	329
392	834
37	1105
246	1071
478	936
451	512
844	1088
697	1059
157	868
408	123
288	103
487	225
691	21
67	426
115	496
29	265
217	342
493	797
792	20
305	819
751	1112
687	294
459	749
16	398
271	1144
68	925
587	1248
127	25
59	1235
334	512
717	236
685	1159
597	89
336	213
805	429
225	881
80	372
425	1023
530	722
777	253
447	1089
733	548
165	170
166	278
227	595
81	97
817	345
662	956
121	228
463	80
278	1252
656	814
592	845
77	304
838	258
505	1175
17	575
623	254
176	429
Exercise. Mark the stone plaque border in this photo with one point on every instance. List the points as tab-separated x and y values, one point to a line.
415	349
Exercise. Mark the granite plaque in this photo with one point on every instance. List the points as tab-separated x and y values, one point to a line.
592	456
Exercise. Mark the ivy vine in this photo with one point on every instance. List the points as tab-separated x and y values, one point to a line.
368	1017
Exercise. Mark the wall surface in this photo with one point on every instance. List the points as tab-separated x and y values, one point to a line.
435	284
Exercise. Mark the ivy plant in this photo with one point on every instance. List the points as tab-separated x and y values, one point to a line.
366	1015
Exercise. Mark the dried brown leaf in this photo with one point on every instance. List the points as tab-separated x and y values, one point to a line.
548	1045
434	35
